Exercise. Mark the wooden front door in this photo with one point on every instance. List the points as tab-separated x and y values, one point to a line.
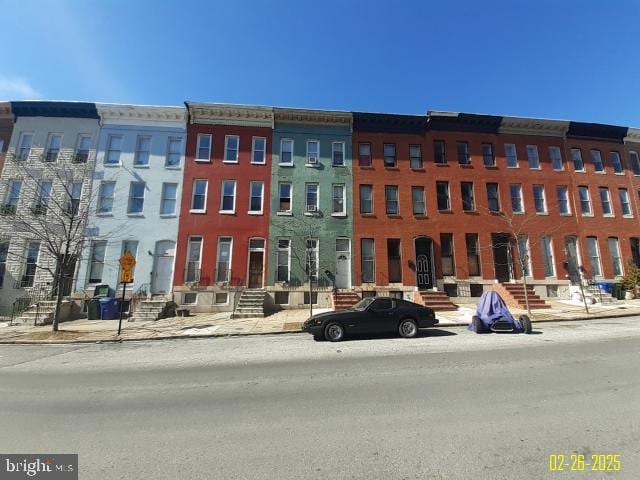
255	269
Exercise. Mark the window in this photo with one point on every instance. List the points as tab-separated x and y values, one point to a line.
24	146
493	198
231	147
76	194
31	254
511	155
614	251
539	199
624	202
136	197
389	151
13	194
284	260
415	156
83	148
114	148
53	147
313	152
310	298
44	193
223	263
487	155
391	199
168	198
439	152
311	196
634	160
129	246
4	253
364	154
96	266
463	153
446	254
563	200
596	158
190	298
228	200
194	252
585	200
199	195
338	206
337	154
105	197
203	148
524	255
284	204
468	200
143	148
417	200
281	298
532	157
366	199
576	157
368	260
221	298
286	151
616	162
516	198
556	158
174	151
442	192
311	260
635	250
547	256
259	150
394	260
473	254
594	256
256	194
605	200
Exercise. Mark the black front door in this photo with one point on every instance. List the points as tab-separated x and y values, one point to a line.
501	247
424	263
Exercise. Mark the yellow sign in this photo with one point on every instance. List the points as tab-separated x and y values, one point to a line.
127	262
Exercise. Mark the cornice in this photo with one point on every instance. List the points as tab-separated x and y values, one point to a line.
323	117
141	114
228	114
633	135
5	111
533	126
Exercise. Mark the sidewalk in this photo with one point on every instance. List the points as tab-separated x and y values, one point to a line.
285	321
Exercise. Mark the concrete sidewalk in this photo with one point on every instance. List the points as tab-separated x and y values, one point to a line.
285	321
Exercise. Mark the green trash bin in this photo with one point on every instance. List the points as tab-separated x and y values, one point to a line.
618	291
93	308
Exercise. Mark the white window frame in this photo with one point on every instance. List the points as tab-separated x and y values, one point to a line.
9	198
221	240
423	201
163	197
612	154
179	141
199	261
235	195
634	160
590	213
285	212
616	259
101	197
608	201
628	202
22	152
109	149
577	153
136	155
511	197
554	148
226	149
91	262
551	255
280	250
43	200
597	256
79	151
534	148
316	251
360	198
306	198
254	150
419	156
193	195
199	147
342	213
144	188
564	189
545	210
49	150
333	152
593	152
396	189
261	211
308	156
372	261
282	142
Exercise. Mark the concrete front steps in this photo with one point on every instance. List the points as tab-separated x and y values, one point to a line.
342	300
153	309
513	295
251	303
438	301
599	295
41	313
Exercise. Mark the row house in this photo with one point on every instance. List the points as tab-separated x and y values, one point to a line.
224	222
45	189
135	205
6	128
311	224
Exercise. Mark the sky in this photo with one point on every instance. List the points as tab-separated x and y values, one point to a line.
566	59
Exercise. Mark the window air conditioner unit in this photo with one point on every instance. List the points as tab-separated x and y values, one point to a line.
313	160
312	208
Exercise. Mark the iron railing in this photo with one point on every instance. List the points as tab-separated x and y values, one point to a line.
33	298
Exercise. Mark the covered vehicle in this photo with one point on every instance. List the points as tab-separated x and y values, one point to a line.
371	315
492	315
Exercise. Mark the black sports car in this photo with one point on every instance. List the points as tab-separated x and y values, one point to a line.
371	315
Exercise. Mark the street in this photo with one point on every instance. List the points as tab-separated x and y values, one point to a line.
450	404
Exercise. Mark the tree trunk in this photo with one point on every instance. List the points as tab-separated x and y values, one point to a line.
59	295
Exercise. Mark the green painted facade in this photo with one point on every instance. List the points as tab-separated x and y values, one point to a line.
323	225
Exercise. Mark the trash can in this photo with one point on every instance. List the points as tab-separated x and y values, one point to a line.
93	309
109	308
606	287
618	291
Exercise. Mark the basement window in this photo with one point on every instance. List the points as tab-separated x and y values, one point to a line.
314	296
221	298
281	298
190	299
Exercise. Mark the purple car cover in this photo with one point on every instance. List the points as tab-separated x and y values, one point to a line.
491	307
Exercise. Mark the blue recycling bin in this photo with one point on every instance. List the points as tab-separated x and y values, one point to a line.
605	286
110	308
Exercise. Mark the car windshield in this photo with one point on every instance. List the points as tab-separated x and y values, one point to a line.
363	304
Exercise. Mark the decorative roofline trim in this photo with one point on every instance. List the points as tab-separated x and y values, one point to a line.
229	114
5	111
533	126
302	115
633	135
133	114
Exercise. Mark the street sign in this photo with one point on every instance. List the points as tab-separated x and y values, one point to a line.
126	276
127	262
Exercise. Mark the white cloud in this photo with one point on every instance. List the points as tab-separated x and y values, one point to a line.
16	88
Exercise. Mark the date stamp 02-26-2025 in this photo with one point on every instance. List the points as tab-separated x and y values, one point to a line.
579	462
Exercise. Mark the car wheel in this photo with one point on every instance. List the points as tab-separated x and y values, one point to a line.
334	332
408	328
526	324
476	324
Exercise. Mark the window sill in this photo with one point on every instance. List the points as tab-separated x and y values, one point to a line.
587	214
519	213
470	212
285	214
285	165
197	211
535	168
104	215
227	212
258	163
312	165
513	166
558	169
542	213
112	165
338	165
202	160
172	167
392	168
420	216
233	162
465	165
608	215
311	214
597	172
448	211
168	215
141	166
627	216
339	215
370	167
255	213
566	215
491	167
421	169
135	215
619	173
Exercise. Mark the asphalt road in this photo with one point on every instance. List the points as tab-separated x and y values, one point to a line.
450	404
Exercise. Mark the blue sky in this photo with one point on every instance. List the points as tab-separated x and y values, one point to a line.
556	59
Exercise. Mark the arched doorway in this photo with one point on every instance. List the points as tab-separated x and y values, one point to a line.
424	263
163	267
